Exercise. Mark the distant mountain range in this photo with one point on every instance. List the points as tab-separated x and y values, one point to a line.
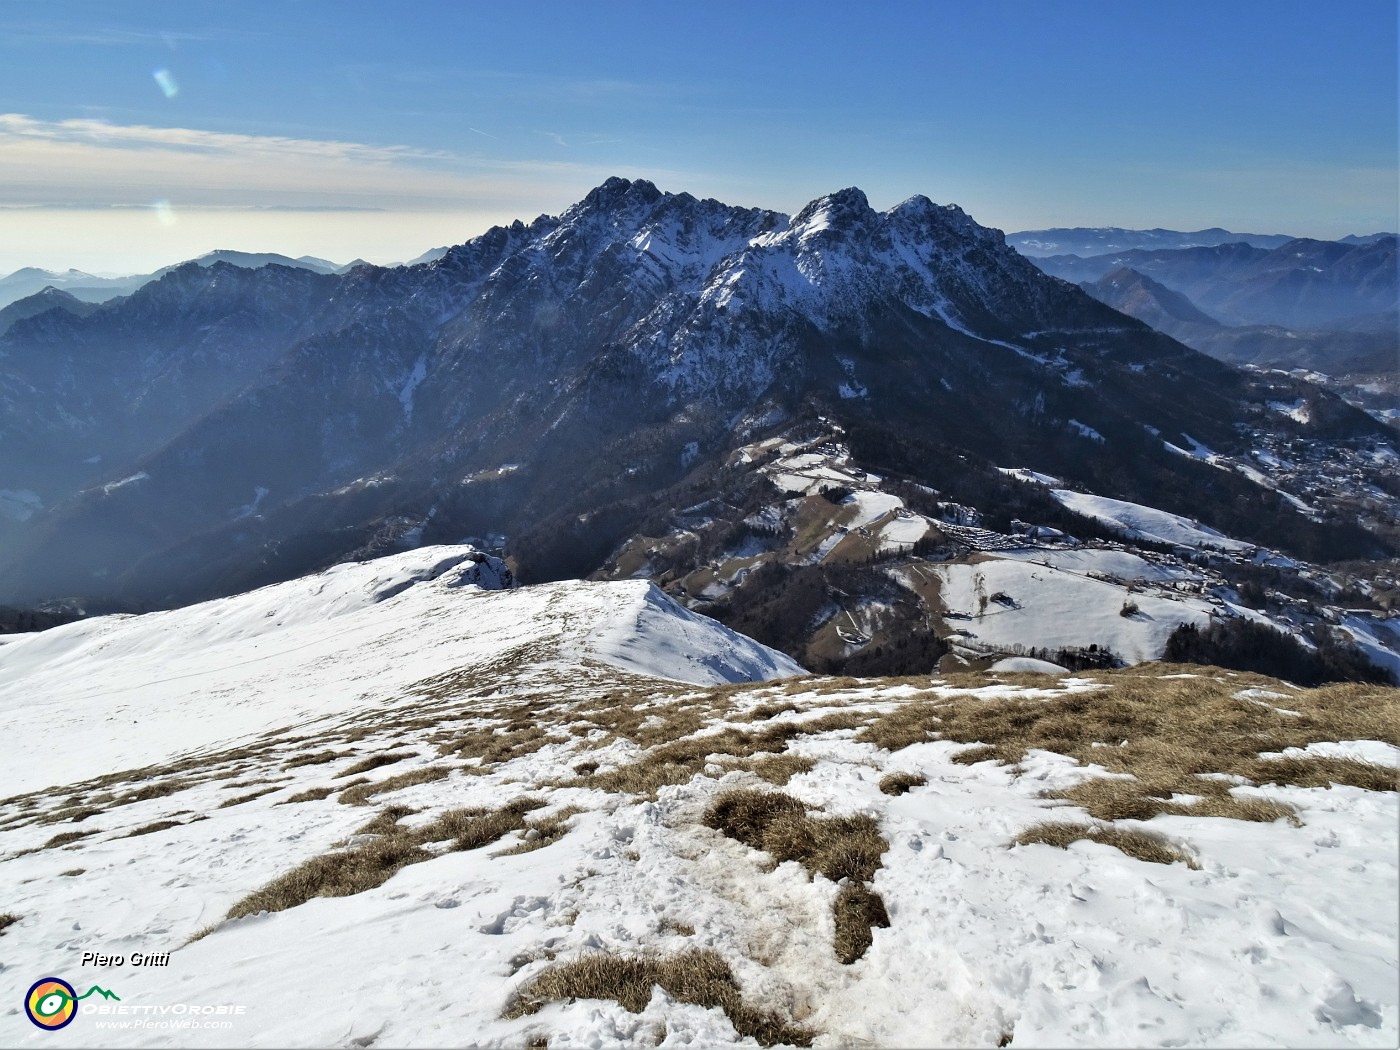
1301	283
1365	344
1085	241
86	287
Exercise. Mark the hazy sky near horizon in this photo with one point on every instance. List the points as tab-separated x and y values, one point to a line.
139	133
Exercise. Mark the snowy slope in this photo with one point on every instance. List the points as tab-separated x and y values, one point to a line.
1282	937
124	691
1147	523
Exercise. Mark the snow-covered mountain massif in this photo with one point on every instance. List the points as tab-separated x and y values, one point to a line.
404	802
568	391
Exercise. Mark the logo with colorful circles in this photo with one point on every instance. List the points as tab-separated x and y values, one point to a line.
51	1003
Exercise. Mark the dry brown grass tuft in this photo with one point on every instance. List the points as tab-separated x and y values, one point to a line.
474	828
544	831
257	782
699	977
360	794
8	919
151	829
334	875
1113	799
71	814
910	723
315	758
763	712
1238	807
201	933
1137	844
779	769
1322	772
65	837
72	872
676	761
158	789
680	929
240	799
384	758
838	848
386	821
899	783
370	864
978	753
309	795
857	910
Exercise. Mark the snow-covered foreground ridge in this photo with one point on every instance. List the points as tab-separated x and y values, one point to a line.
120	691
519	831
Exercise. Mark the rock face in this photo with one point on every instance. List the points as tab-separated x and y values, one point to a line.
223	428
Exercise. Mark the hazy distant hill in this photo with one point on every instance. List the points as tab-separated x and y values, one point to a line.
1301	284
1367	344
49	298
1085	241
88	288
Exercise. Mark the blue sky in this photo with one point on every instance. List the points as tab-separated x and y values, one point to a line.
357	128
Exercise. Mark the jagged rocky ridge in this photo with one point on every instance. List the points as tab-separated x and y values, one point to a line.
555	382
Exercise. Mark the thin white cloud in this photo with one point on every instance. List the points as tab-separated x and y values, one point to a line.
111	36
97	163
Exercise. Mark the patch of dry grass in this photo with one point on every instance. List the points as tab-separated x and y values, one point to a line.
677	760
362	793
544	831
8	919
364	866
857	910
65	837
69	814
899	783
151	829
1164	732
779	769
72	872
315	758
1323	772
315	794
240	799
775	822
384	758
699	977
157	789
763	712
1137	844
910	723
838	848
334	875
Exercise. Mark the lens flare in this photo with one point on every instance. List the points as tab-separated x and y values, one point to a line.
165	214
166	81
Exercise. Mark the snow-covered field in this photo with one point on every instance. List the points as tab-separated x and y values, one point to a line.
1057	607
1280	935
